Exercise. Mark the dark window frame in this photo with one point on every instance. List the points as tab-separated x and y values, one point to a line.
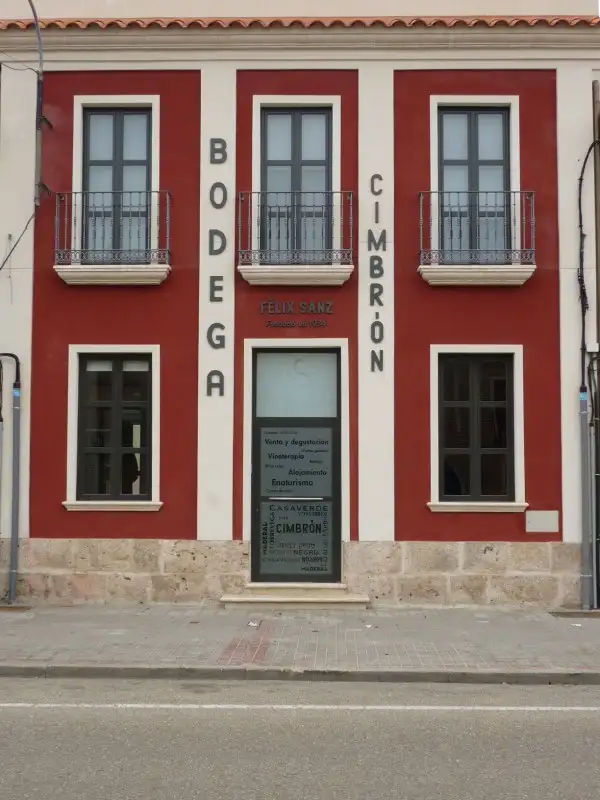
295	162
473	162
115	448
117	164
475	404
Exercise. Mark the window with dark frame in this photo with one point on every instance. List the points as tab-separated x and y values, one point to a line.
114	431
116	185
296	197
477	209
476	428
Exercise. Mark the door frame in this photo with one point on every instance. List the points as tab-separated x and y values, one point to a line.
307	343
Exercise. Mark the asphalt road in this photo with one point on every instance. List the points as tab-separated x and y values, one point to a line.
67	740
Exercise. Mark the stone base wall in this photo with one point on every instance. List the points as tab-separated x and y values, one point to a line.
68	571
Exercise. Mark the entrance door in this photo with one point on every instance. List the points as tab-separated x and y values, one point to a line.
296	531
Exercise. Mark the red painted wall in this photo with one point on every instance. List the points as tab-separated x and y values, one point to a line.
166	315
425	315
249	322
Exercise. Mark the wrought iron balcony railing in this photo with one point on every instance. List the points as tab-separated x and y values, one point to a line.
112	228
295	228
484	228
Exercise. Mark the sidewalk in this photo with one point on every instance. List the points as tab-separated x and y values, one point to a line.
206	642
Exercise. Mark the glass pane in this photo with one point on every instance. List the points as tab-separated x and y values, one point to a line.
134	234
100	179
455	140
135	137
455	428
491	179
135	180
277	229
97	427
296	385
455	380
279	180
492	381
99	232
134	428
100	137
134	474
457	481
314	233
136	382
313	185
314	137
98	381
279	137
456	231
96	473
492	237
490	130
492	427
494	475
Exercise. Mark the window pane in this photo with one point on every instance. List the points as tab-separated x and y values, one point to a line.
134	428
100	144
455	380
494	475
454	136
100	179
134	234
491	179
314	184
456	232
134	474
279	137
96	473
456	475
135	180
136	384
98	381
492	427
455	428
493	381
279	179
315	232
97	427
492	239
490	130
296	385
135	137
456	179
314	137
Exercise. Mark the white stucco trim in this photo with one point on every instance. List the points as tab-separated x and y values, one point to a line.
516	350
75	351
469	100
376	454
81	102
215	413
302	344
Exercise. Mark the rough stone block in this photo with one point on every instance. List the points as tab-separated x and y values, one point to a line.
529	557
566	557
179	588
182	557
146	555
422	589
34	586
78	587
379	588
432	557
106	555
46	554
124	588
468	589
368	558
205	557
485	557
511	590
570	591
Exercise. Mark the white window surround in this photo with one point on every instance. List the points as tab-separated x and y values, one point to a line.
71	503
111	274
301	344
471	274
516	350
298	274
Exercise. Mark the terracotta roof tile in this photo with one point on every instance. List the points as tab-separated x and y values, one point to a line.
307	22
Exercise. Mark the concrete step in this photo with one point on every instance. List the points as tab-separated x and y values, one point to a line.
296	596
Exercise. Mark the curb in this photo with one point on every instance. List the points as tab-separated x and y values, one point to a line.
173	672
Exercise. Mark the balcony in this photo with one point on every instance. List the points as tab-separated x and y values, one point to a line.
295	238
477	238
113	238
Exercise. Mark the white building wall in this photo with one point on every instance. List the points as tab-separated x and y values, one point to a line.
17	179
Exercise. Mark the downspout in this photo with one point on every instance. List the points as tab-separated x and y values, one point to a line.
16	465
596	399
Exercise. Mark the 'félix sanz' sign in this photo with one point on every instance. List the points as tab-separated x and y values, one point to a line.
310	313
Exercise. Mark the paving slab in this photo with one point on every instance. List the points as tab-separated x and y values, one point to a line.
205	641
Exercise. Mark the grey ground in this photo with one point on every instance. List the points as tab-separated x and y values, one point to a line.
123	746
385	641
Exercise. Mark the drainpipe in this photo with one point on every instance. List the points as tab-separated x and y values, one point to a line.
596	422
16	463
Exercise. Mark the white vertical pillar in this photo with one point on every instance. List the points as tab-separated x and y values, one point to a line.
217	302
17	186
575	134
376	493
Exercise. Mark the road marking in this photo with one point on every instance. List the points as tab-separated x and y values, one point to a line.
295	707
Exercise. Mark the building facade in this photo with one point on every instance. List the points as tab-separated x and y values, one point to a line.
298	314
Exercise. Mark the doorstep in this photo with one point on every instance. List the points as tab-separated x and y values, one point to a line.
296	595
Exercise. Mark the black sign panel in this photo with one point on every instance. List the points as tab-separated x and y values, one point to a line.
295	538
295	462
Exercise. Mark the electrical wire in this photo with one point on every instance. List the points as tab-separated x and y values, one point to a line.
14	247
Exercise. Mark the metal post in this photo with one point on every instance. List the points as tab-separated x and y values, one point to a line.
587	583
16	465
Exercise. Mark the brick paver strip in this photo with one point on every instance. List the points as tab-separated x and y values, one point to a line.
205	641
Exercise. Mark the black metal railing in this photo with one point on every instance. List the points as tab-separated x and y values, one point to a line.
477	227
295	228
112	228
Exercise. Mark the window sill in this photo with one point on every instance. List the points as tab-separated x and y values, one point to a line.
112	505
296	274
478	508
476	275
113	274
